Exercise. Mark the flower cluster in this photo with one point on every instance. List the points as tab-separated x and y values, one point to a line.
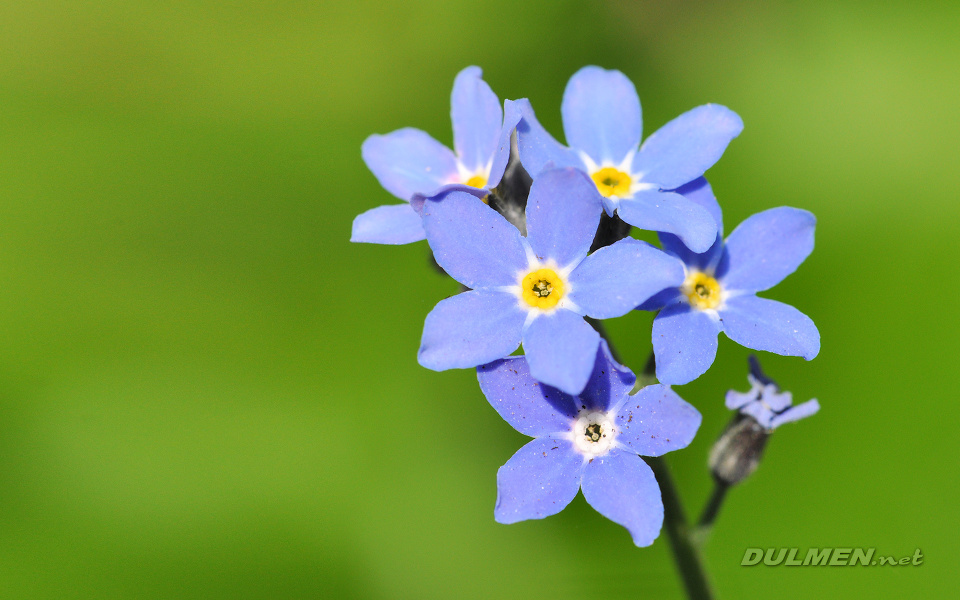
542	276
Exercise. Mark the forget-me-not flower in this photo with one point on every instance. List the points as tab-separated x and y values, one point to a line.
409	162
765	402
534	289
603	125
719	291
590	441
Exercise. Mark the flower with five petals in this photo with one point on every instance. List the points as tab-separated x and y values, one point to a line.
535	289
408	162
719	291
590	442
602	122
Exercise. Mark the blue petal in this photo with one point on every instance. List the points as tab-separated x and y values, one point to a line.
734	399
700	192
538	481
777	401
511	116
530	407
609	383
470	329
537	148
765	394
684	342
760	412
621	487
408	161
472	242
391	224
418	200
705	261
476	115
561	348
767	247
671	213
563	212
763	324
687	146
795	413
601	114
610	204
617	278
656	420
661	299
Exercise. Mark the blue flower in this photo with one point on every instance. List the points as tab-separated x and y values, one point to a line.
603	125
767	405
719	291
534	289
408	161
589	442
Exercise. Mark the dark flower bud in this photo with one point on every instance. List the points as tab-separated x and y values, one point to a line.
737	452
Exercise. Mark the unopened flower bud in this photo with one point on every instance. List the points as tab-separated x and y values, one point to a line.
738	450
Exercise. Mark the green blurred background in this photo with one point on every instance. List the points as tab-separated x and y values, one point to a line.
202	395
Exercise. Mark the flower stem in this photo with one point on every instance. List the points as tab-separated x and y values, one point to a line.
684	542
710	512
712	508
686	553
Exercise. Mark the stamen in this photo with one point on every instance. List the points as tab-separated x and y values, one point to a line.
542	288
594	432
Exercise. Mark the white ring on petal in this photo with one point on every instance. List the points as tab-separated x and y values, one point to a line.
608	433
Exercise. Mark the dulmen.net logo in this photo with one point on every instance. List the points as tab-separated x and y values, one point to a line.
826	557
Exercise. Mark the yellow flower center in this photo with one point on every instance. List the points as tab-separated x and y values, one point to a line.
542	288
477	181
701	290
612	182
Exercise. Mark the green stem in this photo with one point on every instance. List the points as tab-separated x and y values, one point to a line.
686	553
711	510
